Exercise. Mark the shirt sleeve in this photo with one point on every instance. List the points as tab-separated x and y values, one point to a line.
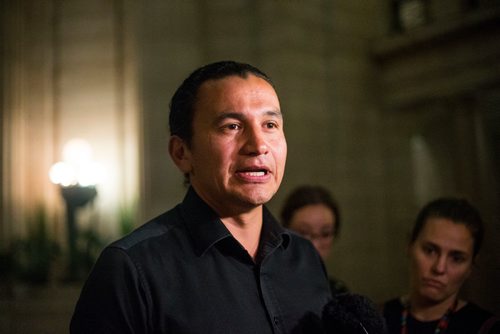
113	299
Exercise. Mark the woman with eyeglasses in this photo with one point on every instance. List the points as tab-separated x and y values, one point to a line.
312	212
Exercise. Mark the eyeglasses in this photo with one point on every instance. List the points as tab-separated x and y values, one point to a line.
322	236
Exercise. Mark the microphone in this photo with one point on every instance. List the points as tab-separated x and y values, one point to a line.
349	313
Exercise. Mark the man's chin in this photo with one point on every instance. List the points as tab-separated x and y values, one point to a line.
258	196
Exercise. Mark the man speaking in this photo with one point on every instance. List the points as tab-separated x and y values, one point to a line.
218	262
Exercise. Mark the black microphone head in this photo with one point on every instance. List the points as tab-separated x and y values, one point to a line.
349	313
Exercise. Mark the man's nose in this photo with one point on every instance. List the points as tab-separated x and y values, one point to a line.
255	142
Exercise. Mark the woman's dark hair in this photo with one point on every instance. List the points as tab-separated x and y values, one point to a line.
183	100
309	195
459	211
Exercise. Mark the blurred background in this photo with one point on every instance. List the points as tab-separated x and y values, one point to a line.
388	104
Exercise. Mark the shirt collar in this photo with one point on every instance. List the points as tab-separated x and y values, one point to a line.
206	229
272	236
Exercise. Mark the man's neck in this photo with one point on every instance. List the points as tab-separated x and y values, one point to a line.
246	229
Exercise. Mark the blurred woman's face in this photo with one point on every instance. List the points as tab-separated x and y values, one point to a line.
315	222
441	259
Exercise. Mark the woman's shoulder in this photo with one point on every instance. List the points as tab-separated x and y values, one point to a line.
473	310
477	318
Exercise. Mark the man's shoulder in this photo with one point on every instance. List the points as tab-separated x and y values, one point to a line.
159	227
302	248
299	242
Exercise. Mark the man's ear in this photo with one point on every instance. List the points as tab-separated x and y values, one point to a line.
180	154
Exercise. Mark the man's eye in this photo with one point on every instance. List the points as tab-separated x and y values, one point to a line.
232	126
271	125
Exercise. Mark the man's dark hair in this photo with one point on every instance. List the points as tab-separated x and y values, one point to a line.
309	195
459	211
183	100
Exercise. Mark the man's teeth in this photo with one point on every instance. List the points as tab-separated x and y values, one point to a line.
260	173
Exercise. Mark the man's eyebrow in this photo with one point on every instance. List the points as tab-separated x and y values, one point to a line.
274	113
230	114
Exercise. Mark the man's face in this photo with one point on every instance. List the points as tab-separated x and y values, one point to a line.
237	155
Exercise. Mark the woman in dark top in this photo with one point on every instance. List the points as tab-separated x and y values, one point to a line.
312	212
444	243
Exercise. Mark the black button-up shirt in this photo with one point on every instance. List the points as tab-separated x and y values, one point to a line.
183	272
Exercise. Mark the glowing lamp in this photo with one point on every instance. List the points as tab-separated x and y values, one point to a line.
77	175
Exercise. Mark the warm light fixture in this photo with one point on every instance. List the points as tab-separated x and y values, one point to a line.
77	167
77	175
